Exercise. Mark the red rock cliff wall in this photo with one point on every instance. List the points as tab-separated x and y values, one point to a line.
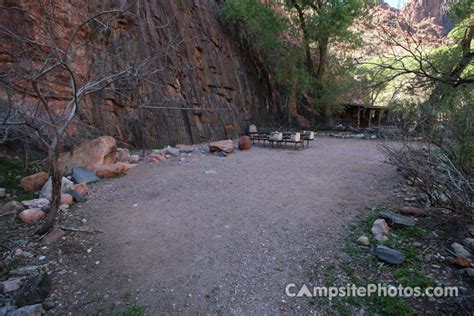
198	65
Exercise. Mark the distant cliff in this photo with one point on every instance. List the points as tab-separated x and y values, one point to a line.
419	12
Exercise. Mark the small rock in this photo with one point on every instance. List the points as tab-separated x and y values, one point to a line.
63	207
3	192
414	211
25	270
34	182
373	137
210	172
379	229
469	243
10	285
459	250
79	198
66	199
436	266
470	229
245	143
185	149
389	255
468	271
363	240
80	188
417	244
53	236
172	151
222	146
123	155
47	189
411	199
134	159
41	203
34	291
31	310
359	136
396	220
463	262
83	175
31	215
11	207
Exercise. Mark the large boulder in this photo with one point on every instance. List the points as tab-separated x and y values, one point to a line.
226	146
47	189
83	175
102	150
110	170
34	182
245	143
31	216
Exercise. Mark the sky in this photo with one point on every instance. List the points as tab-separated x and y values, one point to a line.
395	3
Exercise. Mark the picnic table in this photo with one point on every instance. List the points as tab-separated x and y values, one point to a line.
282	138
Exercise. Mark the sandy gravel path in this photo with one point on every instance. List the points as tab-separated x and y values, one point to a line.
222	235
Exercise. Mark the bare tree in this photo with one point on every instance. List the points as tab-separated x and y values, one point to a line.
44	75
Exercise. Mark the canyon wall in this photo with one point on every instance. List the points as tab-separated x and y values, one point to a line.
199	81
427	12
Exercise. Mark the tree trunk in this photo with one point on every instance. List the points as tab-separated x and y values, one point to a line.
323	56
304	29
326	112
56	190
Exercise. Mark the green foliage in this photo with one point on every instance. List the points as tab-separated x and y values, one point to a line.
461	9
262	25
133	310
12	169
330	18
276	40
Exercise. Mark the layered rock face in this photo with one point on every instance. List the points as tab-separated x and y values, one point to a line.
198	84
426	12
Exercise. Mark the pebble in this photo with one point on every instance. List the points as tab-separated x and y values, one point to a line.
363	240
460	250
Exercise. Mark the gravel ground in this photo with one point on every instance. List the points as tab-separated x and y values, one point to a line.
212	235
